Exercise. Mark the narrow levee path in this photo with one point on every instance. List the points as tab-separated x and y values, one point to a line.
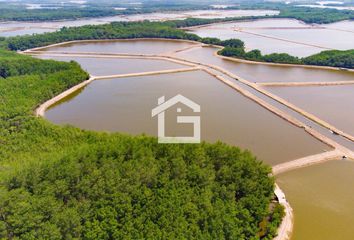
282	39
303	84
146	73
40	111
307	161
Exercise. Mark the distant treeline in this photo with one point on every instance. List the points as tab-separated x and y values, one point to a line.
22	14
169	30
117	30
61	182
38	15
305	14
8	12
316	15
54	11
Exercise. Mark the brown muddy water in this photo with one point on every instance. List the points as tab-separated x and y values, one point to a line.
271	35
322	198
334	104
343	25
125	104
110	66
124	46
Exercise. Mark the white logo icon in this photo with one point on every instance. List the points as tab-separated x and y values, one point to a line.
160	112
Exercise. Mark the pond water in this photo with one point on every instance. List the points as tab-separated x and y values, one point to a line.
284	35
124	46
334	104
125	105
110	66
21	31
322	197
343	25
266	73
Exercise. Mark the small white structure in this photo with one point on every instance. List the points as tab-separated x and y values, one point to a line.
160	112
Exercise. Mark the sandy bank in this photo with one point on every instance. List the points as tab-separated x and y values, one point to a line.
286	227
300	84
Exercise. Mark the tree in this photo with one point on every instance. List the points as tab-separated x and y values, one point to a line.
232	52
234	43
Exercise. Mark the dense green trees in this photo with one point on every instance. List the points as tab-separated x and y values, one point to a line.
256	55
315	15
233	43
190	22
253	55
107	31
230	43
22	14
281	58
332	58
212	41
14	65
60	182
232	52
305	14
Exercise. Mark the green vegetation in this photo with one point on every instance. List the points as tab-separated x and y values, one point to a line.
272	222
306	14
316	15
190	22
60	182
233	43
256	55
12	65
22	14
53	11
115	30
332	58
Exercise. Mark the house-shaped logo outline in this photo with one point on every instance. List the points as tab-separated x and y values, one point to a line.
160	112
